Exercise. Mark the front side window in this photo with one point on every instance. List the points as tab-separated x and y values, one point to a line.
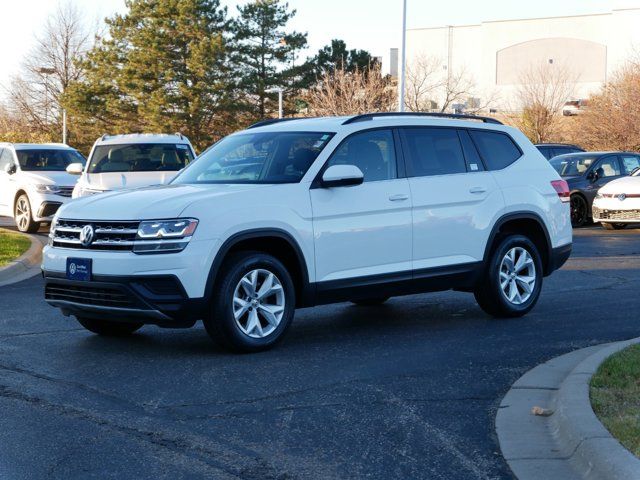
43	160
433	151
5	158
608	167
630	162
497	149
139	157
272	157
572	165
372	151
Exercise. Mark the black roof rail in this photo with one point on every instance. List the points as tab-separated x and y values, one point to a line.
271	121
370	116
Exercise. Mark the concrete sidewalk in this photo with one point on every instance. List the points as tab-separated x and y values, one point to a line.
26	266
567	440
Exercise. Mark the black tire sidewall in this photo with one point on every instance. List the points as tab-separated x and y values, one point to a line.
222	315
506	308
585	218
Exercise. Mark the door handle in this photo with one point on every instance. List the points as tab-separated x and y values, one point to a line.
399	197
477	190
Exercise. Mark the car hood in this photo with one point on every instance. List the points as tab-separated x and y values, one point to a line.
628	185
63	179
148	203
120	180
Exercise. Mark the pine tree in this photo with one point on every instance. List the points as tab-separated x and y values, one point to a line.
163	67
266	54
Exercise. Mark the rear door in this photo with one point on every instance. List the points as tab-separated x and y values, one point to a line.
454	198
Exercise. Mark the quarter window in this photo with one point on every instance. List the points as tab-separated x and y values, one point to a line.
372	151
433	151
497	149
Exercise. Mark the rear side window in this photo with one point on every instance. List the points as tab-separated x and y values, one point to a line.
630	162
497	149
433	151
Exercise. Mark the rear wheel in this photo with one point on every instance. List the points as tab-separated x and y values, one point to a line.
23	215
512	280
370	302
254	303
109	329
579	211
614	226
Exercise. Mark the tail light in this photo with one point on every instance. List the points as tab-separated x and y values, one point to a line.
562	189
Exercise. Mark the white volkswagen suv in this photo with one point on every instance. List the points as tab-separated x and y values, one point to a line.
34	183
304	212
119	162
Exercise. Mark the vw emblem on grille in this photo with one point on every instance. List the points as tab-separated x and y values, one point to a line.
86	235
622	197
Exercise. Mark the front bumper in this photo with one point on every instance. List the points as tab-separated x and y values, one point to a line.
155	299
613	210
44	206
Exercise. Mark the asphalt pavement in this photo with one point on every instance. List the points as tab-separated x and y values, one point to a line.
408	390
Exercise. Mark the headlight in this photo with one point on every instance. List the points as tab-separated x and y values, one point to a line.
52	229
164	236
47	189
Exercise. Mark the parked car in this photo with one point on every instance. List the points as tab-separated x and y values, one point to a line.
617	204
575	107
128	161
33	181
550	150
587	172
305	212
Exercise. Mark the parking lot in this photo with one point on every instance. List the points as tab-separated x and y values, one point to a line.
406	390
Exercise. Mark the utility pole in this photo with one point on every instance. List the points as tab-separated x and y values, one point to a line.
46	72
403	58
280	91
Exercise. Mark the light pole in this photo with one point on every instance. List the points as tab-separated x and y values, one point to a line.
403	58
280	94
45	72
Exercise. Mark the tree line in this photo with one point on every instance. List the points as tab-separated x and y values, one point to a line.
187	66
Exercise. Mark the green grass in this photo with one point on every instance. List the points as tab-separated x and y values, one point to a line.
12	245
615	397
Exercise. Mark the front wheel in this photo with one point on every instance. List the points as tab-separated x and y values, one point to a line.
512	280
254	303
579	211
23	215
109	329
614	226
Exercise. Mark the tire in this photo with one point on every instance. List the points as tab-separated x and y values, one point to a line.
489	292
579	211
370	302
614	226
23	215
109	329
237	293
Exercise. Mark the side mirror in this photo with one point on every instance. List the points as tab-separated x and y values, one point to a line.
592	176
75	168
10	168
342	176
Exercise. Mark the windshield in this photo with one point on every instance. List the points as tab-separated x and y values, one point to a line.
572	165
139	157
42	160
275	157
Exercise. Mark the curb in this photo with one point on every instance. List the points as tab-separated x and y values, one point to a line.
570	443
16	270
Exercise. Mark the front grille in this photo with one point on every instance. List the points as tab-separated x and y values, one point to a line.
601	214
65	191
102	296
108	235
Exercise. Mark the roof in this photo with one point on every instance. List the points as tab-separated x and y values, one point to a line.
143	138
593	154
335	124
37	146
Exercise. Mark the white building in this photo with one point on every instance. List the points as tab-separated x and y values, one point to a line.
497	54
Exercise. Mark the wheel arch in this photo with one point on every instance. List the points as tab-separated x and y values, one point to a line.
276	242
528	224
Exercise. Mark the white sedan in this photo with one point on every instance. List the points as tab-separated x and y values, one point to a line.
617	204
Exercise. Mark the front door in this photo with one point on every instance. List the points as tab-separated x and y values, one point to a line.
363	231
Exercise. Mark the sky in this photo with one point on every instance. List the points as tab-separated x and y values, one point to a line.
373	25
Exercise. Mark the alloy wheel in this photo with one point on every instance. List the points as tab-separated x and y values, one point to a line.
578	211
23	213
517	275
258	303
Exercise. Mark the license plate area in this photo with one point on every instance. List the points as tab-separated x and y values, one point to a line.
79	269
